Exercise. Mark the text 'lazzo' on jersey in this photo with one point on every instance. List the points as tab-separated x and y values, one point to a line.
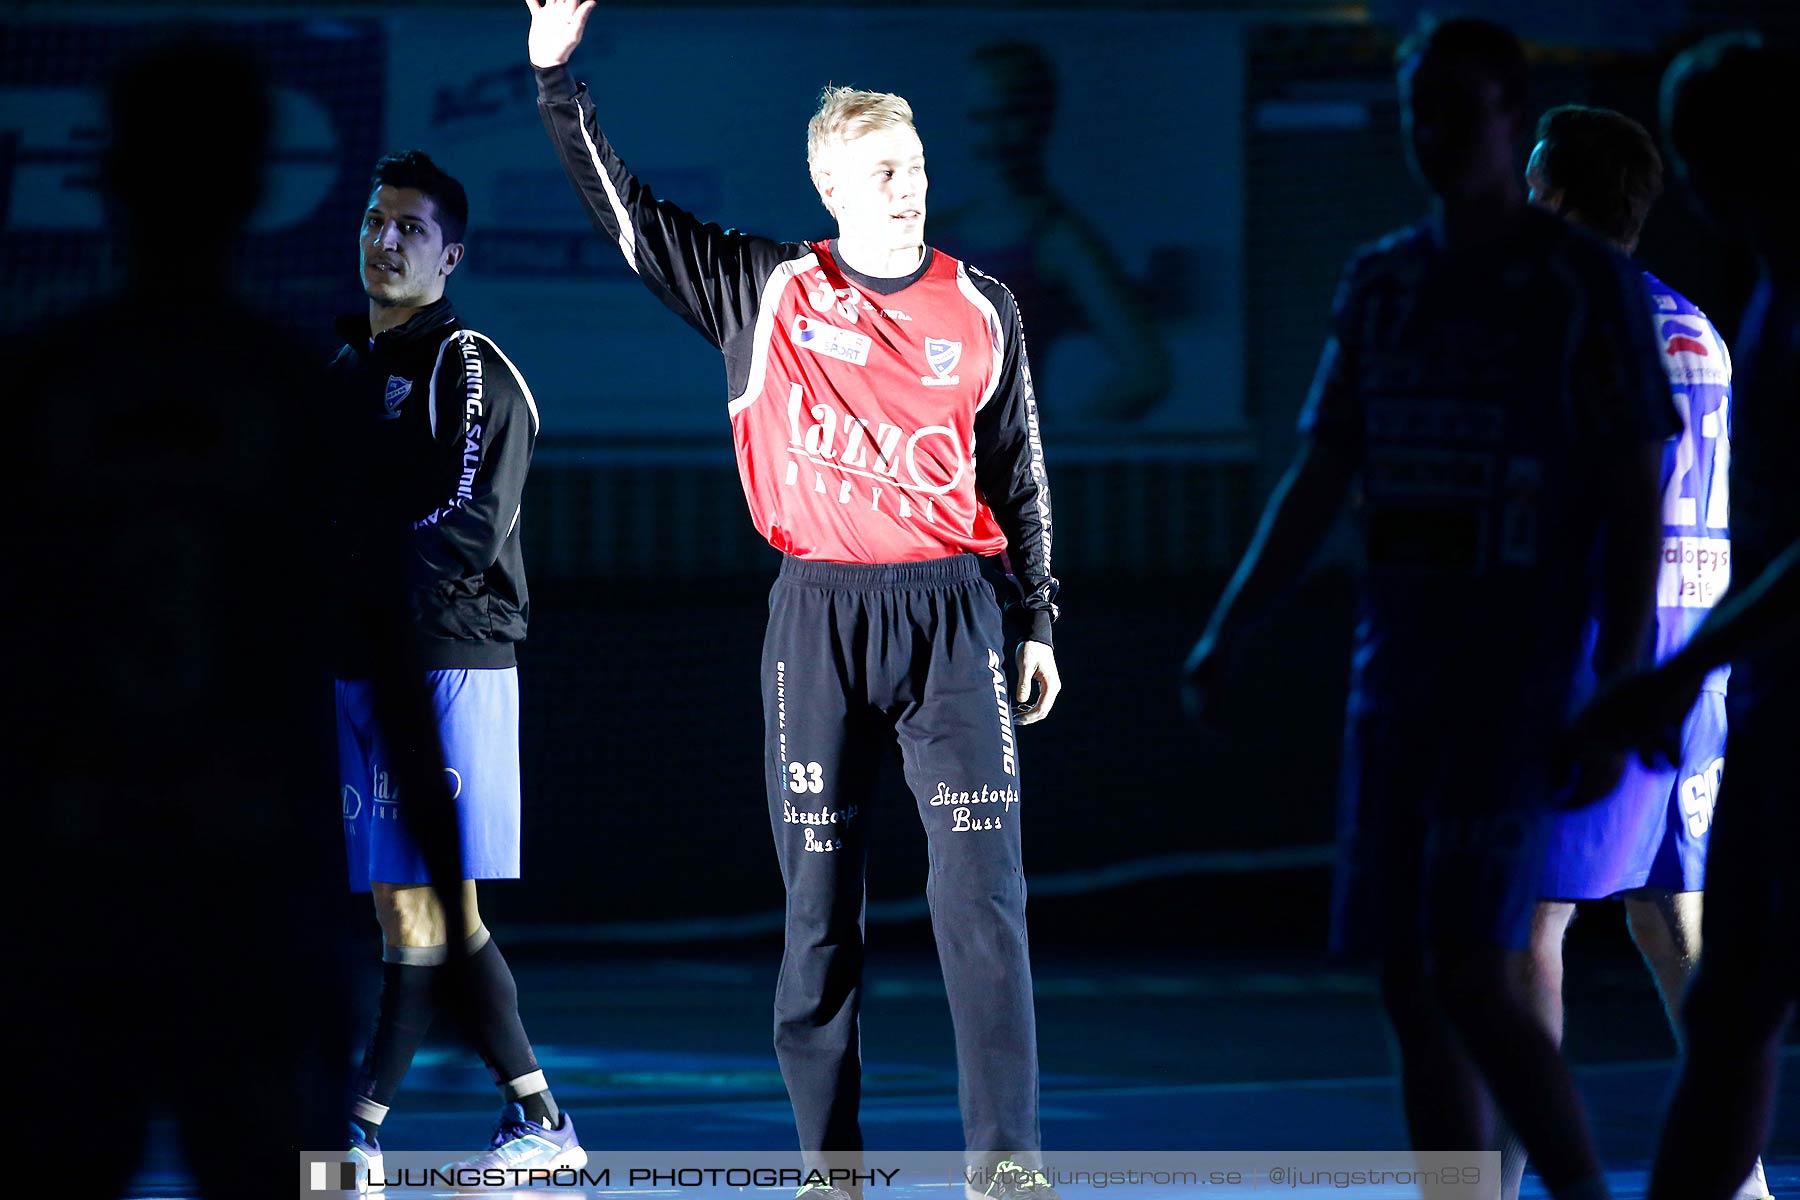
885	456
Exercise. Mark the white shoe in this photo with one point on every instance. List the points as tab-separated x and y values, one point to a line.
366	1156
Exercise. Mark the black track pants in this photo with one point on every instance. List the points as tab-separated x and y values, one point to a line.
857	657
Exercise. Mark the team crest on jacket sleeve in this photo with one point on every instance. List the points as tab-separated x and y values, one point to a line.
397	391
941	355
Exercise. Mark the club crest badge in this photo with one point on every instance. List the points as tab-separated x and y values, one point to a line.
941	356
397	391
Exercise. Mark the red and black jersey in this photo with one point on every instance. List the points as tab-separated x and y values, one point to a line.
875	420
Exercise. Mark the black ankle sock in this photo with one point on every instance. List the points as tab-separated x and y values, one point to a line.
491	1002
408	1004
541	1107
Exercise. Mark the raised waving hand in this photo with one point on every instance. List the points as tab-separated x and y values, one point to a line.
556	27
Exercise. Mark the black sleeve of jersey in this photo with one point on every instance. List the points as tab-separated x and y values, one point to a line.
483	407
709	276
1009	466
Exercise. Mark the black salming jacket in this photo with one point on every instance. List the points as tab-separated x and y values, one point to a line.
433	430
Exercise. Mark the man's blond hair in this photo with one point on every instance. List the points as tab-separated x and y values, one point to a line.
846	113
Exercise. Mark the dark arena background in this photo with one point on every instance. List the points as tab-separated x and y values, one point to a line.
1219	162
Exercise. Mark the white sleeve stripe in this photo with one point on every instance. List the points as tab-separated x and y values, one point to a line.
524	389
627	235
431	394
986	308
764	331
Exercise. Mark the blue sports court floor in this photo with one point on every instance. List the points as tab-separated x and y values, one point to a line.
670	1050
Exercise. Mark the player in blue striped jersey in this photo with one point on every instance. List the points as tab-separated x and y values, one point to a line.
1646	841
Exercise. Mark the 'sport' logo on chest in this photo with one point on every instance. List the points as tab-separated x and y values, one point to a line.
832	341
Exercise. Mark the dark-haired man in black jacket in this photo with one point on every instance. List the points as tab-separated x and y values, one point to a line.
435	430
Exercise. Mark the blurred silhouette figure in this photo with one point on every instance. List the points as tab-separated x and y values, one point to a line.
1719	99
1492	398
176	753
1054	260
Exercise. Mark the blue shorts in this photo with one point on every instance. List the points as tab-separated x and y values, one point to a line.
1651	832
1440	835
478	720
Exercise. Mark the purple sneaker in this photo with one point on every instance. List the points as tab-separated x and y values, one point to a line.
366	1155
521	1144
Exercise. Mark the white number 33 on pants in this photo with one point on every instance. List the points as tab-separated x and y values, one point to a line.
807	777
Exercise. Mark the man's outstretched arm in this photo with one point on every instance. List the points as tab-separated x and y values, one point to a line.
1300	513
709	276
1305	504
